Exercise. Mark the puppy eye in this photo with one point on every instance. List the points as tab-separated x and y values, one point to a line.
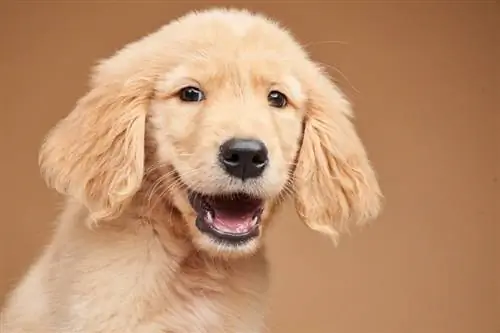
191	94
277	99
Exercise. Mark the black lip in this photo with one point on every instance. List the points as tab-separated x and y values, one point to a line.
197	201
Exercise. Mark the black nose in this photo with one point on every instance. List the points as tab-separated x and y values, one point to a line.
243	158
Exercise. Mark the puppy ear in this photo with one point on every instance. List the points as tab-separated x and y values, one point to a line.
96	154
335	185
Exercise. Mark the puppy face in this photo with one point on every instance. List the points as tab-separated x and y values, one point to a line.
238	117
231	132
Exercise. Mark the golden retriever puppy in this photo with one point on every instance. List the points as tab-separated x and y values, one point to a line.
173	165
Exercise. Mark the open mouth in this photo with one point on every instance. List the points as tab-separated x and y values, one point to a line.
232	218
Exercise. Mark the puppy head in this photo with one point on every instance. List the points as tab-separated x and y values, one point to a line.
236	117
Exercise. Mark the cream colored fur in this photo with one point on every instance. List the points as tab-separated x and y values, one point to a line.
126	256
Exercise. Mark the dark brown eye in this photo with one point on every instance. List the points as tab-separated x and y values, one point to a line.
191	94
277	99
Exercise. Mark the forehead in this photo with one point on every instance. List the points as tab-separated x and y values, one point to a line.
221	65
260	71
249	51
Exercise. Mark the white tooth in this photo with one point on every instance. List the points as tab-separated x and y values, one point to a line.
222	228
255	220
209	217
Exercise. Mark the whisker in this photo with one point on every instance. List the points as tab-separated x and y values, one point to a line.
322	42
338	71
153	194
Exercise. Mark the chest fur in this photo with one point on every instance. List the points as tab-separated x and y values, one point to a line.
195	296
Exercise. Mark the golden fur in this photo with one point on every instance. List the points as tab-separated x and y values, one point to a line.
126	256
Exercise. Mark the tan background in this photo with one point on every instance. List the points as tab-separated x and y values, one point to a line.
422	77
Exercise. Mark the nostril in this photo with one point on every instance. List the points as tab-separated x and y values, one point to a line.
259	160
232	158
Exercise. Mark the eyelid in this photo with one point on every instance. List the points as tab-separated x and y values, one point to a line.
190	86
291	100
171	89
186	83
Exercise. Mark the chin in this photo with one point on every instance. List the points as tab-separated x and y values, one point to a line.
227	224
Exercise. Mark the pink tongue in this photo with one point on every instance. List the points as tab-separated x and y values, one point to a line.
233	221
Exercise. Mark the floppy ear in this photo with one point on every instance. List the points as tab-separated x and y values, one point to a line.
96	154
335	185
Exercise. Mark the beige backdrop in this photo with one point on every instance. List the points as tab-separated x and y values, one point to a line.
422	78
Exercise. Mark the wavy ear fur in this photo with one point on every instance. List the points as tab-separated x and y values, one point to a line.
335	185
96	154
